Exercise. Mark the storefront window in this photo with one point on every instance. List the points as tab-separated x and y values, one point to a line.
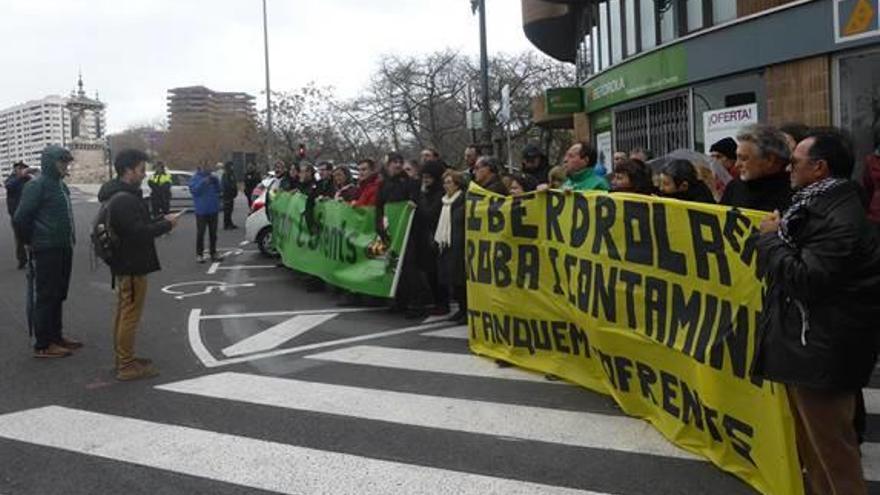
859	89
603	32
630	27
616	31
694	15
667	23
723	11
648	21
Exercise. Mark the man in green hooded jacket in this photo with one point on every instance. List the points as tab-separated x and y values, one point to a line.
44	220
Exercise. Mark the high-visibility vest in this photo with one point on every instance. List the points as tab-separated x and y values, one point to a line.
160	179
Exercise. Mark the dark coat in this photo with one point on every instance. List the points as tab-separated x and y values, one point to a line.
871	183
251	181
767	193
14	186
230	185
130	220
495	185
834	274
425	225
451	262
697	193
44	217
399	188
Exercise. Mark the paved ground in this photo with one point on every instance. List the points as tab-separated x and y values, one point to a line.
268	388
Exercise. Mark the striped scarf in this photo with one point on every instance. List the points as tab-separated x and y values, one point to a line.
800	201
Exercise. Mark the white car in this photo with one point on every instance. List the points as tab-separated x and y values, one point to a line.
258	227
181	197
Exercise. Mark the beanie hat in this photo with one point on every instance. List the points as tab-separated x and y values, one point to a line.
726	147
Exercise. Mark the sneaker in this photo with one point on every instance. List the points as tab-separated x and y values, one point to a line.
135	371
70	344
52	352
200	259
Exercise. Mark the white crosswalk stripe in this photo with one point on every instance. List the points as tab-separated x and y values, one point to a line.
365	398
243	461
503	420
436	362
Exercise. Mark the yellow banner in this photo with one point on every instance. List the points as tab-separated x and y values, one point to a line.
652	301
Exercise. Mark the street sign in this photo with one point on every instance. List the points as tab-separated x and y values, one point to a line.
856	19
564	100
474	120
504	114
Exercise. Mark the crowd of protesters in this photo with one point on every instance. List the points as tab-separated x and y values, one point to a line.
817	250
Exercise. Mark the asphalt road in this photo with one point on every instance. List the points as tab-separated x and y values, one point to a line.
267	388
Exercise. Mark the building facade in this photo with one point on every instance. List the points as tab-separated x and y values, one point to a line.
668	74
76	122
198	105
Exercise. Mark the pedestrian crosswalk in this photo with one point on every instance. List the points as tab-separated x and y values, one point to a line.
389	418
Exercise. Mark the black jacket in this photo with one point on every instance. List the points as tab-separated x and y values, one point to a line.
834	275
425	225
697	193
539	174
399	188
130	220
495	185
230	185
452	267
251	181
767	193
14	185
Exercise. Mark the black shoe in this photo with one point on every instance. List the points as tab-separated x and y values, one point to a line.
415	314
460	318
502	364
233	227
395	308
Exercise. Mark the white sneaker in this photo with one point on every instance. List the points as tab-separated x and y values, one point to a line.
200	259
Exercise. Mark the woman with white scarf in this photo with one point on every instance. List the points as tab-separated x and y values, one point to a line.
449	237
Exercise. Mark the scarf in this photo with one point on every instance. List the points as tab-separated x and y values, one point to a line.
800	201
443	235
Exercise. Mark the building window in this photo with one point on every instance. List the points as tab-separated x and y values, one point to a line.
695	15
723	11
648	21
616	15
631	30
594	48
605	40
660	126
668	23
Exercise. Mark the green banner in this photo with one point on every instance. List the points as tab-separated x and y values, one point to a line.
338	243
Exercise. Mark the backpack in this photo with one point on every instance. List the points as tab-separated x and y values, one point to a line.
105	242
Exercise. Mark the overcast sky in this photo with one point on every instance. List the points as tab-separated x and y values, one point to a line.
132	51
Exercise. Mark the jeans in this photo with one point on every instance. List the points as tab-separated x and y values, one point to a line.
203	221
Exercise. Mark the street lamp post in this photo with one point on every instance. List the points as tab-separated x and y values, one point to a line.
484	76
270	134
